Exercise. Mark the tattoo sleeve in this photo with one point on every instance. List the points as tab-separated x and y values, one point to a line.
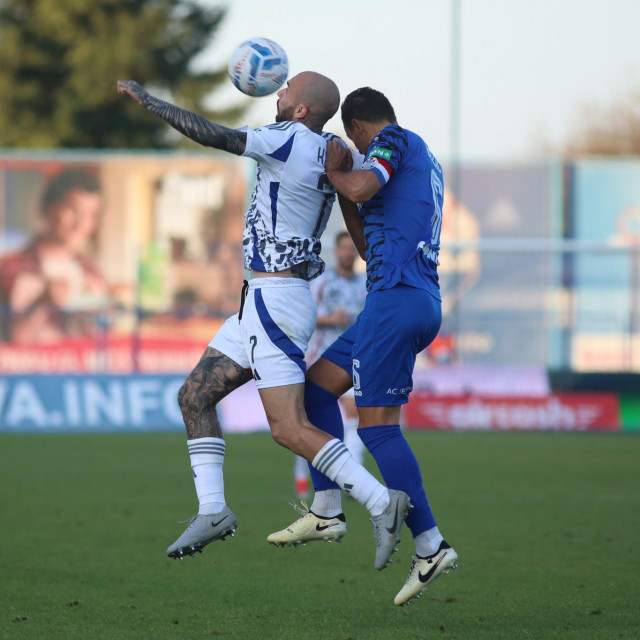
213	378
196	127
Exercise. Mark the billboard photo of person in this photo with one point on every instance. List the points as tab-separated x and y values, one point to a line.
50	289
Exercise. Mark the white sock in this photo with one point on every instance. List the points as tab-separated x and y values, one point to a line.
352	439
207	456
335	461
428	542
327	503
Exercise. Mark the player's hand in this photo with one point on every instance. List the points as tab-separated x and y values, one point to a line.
338	157
132	89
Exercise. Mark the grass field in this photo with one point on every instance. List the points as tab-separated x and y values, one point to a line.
547	528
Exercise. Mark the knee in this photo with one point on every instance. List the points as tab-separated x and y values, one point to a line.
186	394
286	433
282	435
195	396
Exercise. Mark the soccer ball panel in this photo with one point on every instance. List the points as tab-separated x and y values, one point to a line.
258	67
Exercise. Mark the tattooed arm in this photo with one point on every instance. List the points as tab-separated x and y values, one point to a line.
190	124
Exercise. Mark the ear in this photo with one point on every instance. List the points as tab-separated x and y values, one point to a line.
300	112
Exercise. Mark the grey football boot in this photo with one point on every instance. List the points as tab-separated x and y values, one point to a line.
201	530
387	525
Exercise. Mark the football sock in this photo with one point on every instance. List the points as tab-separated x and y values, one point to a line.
300	468
352	440
327	503
428	542
207	456
400	470
323	412
335	461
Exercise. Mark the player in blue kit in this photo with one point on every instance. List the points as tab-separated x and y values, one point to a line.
397	231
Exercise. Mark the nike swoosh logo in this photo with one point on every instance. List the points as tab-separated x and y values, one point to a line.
395	523
424	578
322	527
215	524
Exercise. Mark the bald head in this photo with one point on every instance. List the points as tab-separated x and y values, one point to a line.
309	97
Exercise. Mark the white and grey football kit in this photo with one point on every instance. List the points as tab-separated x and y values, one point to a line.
289	210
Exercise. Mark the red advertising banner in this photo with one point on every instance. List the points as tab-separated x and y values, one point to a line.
119	355
561	411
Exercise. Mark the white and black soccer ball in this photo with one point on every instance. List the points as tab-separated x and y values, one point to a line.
258	67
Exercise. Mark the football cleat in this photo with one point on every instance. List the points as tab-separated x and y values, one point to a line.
201	530
424	571
309	528
387	525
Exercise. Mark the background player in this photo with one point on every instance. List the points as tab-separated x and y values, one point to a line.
339	294
268	337
397	230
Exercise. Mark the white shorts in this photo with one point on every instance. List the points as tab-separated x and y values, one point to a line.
271	339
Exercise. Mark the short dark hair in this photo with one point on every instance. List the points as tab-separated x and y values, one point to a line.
340	235
64	182
367	104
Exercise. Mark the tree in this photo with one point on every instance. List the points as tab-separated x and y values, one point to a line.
610	130
60	60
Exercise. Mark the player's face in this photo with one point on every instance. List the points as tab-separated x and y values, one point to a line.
287	101
358	136
346	253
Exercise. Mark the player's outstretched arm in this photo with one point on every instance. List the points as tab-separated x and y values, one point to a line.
188	123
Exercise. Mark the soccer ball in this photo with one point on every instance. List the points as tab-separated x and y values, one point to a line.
258	67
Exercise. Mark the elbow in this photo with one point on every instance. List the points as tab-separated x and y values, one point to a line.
359	194
364	189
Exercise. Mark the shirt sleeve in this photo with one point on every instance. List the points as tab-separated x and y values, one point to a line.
358	159
272	142
384	155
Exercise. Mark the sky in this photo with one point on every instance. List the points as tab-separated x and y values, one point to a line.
526	68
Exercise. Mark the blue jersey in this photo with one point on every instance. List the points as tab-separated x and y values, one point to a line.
402	221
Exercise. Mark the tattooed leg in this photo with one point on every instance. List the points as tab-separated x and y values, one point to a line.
213	378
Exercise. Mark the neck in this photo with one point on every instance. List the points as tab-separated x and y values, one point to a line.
374	128
312	124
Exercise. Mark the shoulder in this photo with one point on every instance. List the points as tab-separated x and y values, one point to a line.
264	142
16	262
20	259
327	135
394	135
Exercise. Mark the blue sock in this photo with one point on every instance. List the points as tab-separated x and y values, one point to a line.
400	470
323	412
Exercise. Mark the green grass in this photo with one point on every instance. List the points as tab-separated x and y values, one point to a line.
546	527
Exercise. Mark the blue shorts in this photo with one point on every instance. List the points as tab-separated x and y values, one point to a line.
379	351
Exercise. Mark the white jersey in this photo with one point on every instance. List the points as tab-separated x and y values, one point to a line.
333	292
291	201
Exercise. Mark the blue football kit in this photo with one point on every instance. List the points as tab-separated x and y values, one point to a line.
402	312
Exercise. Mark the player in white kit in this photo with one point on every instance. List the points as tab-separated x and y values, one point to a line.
268	338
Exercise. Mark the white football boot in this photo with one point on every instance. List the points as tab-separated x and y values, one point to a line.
424	571
309	528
